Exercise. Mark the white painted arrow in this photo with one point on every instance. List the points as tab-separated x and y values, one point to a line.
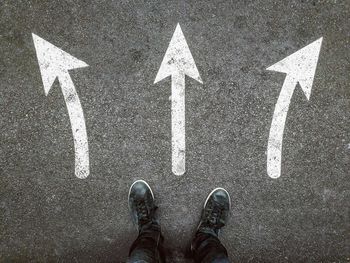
300	68
55	63
177	63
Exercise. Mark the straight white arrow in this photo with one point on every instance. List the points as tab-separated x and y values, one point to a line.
300	68
177	63
55	63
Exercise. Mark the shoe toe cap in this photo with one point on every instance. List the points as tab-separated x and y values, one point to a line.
140	189
221	195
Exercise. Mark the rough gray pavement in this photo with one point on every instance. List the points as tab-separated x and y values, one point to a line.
49	215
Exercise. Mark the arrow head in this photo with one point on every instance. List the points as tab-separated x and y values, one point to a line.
53	62
301	65
178	59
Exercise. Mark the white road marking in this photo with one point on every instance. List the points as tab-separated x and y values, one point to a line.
177	63
300	68
55	63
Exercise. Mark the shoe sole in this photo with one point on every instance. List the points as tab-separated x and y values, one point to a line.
138	181
218	188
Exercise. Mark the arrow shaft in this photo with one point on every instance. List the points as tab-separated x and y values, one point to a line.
274	147
77	121
178	136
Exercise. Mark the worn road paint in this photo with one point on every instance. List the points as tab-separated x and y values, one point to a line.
300	68
55	63
177	63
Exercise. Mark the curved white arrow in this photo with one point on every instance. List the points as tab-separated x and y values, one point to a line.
55	63
177	63
300	68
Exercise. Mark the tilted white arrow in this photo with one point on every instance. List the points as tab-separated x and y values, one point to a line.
177	63
55	63
300	68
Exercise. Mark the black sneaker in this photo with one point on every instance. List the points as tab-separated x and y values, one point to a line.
141	203
215	212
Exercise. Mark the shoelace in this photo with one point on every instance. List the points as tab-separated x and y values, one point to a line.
214	214
142	211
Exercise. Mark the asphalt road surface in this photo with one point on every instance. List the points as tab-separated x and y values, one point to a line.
47	214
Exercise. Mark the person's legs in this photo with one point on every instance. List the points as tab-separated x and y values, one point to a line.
206	246
148	245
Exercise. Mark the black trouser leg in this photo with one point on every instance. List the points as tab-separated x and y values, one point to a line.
148	247
207	248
